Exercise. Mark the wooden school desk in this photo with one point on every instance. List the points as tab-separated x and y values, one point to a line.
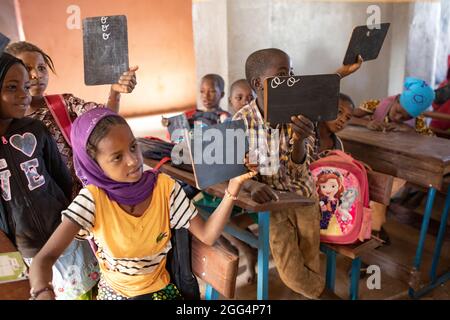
418	159
17	290
287	200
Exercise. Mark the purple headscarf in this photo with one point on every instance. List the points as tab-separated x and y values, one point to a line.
90	172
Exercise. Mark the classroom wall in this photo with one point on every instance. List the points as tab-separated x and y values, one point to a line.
160	40
8	21
315	34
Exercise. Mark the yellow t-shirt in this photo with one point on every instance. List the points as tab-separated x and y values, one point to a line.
132	250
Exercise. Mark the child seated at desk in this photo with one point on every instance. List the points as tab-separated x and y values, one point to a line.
294	233
211	92
400	112
240	94
327	138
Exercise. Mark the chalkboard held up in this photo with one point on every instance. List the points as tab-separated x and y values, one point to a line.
313	96
105	49
367	42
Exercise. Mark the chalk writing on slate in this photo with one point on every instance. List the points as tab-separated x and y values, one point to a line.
315	97
4	40
365	42
105	48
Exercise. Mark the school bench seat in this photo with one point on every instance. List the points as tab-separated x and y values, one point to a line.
217	266
380	186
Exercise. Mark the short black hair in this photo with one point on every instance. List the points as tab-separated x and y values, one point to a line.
259	61
344	97
19	47
237	83
218	80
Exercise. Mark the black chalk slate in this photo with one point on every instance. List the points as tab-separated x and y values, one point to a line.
315	97
4	40
230	152
105	48
179	122
365	42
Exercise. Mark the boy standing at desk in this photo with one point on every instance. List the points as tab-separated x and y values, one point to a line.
294	233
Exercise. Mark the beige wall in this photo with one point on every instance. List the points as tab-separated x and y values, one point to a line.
160	41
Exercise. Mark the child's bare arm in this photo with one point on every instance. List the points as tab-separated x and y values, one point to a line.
359	121
126	84
209	231
359	113
346	70
302	128
41	268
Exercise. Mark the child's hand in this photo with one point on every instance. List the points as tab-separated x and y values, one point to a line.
396	127
262	193
302	127
377	126
127	81
234	185
348	69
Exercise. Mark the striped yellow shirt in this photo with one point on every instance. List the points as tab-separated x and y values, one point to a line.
132	250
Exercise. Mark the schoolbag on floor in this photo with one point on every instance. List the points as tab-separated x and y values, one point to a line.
343	190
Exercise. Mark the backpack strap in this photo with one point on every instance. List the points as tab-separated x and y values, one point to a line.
59	111
161	162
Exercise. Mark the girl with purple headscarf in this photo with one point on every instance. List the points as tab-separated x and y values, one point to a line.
129	212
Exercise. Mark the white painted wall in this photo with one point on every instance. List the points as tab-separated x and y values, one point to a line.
315	34
423	40
210	39
8	22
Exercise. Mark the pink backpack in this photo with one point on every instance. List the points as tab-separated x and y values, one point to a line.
343	191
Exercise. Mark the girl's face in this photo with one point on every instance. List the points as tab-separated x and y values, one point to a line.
15	95
329	188
242	95
397	113
37	69
344	115
119	155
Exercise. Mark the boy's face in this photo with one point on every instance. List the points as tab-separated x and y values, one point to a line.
397	113
241	95
15	95
345	112
37	70
280	66
119	155
210	94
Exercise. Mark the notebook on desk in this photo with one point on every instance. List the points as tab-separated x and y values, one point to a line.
12	267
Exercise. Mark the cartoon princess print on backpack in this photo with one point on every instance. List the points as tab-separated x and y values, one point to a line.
336	203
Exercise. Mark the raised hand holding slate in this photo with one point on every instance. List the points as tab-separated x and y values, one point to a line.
366	42
105	48
315	97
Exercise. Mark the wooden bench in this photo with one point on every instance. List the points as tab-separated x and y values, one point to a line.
215	265
380	186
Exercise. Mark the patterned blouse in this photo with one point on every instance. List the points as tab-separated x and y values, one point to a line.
273	147
76	107
420	125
